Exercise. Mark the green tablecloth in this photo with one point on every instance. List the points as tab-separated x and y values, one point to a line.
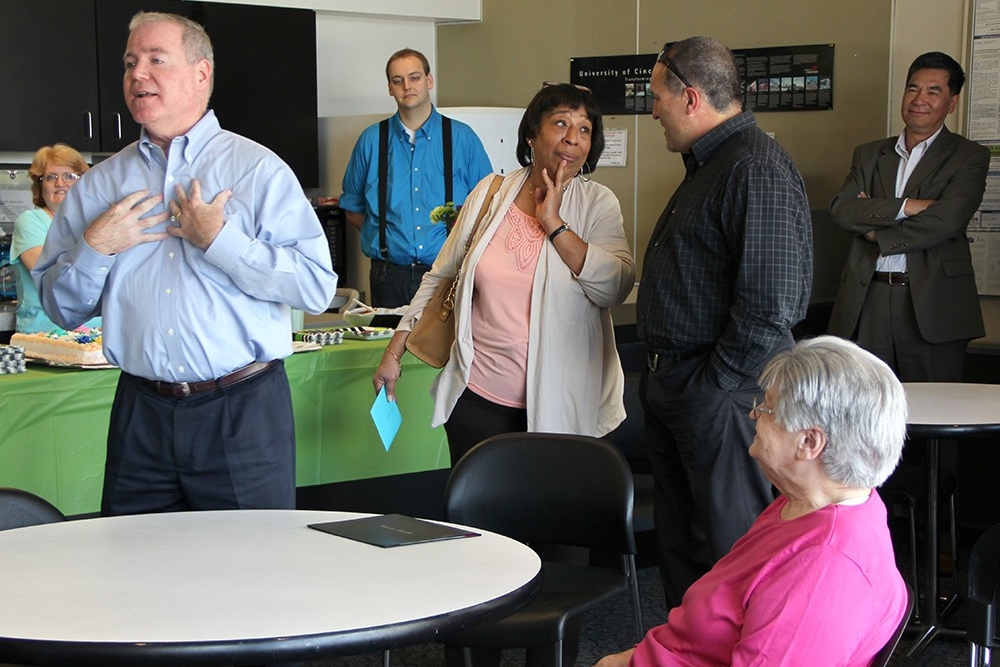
54	424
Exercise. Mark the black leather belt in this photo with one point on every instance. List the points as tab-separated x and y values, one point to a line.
892	277
656	361
182	389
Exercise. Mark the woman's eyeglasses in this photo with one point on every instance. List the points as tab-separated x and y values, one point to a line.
71	177
546	84
665	59
758	408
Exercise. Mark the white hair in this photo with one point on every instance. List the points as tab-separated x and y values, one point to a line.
854	397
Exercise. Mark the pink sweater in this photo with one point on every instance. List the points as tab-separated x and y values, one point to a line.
822	589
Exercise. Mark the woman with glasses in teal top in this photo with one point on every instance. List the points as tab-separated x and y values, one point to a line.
54	170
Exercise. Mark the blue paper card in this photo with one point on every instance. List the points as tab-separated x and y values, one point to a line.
385	414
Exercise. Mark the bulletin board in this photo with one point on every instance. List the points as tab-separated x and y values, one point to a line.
984	126
15	196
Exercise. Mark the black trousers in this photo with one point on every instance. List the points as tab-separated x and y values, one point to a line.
888	329
393	285
475	418
230	448
707	488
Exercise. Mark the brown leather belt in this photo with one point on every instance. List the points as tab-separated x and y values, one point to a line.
183	389
892	277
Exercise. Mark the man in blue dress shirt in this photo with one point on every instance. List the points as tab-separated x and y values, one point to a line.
192	242
404	247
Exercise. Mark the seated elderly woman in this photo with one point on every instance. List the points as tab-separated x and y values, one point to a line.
814	580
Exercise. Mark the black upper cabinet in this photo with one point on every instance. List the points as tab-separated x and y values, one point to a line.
48	91
117	129
265	78
66	80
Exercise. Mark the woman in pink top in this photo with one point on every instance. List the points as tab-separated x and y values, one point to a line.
814	580
535	347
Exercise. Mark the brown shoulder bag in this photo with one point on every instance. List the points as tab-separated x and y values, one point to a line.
431	338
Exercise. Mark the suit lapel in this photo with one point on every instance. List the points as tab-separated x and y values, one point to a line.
887	164
940	150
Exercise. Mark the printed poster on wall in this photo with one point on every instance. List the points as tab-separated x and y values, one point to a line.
777	78
983	90
620	84
787	78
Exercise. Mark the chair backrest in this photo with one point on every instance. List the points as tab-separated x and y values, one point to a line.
984	588
545	488
882	657
20	508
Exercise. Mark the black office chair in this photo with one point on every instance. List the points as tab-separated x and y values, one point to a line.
548	489
882	657
984	597
20	508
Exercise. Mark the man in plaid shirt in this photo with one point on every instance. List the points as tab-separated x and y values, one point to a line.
726	275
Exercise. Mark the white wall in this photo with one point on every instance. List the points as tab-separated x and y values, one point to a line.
351	53
933	26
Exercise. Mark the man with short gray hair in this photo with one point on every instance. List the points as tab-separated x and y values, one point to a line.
726	275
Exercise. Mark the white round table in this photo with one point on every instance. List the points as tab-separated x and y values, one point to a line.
240	587
944	410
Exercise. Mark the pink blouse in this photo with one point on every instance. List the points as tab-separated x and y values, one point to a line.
501	305
821	589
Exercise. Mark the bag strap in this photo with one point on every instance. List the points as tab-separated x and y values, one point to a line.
494	186
448	304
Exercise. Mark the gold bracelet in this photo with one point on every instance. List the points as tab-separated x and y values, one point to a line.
391	354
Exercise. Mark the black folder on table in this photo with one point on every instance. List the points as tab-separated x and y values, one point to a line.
392	530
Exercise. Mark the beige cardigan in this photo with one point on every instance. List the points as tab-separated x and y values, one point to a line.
574	377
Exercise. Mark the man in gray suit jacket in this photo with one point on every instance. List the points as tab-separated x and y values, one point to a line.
908	290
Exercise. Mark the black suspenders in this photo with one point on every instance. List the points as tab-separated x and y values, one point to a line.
383	175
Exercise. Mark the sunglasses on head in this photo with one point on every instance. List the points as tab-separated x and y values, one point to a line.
546	84
665	59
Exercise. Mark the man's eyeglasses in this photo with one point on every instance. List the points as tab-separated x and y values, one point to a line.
758	408
546	84
665	59
70	177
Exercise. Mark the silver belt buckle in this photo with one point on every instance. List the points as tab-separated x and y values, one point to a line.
652	359
185	389
894	273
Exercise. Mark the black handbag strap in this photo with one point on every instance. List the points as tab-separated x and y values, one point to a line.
383	175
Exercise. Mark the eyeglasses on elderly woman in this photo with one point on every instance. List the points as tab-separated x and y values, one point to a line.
759	408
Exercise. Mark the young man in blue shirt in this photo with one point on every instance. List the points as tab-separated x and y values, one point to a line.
403	244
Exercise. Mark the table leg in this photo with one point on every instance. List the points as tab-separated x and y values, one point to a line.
930	612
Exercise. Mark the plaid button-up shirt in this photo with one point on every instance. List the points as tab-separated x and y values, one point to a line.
729	264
